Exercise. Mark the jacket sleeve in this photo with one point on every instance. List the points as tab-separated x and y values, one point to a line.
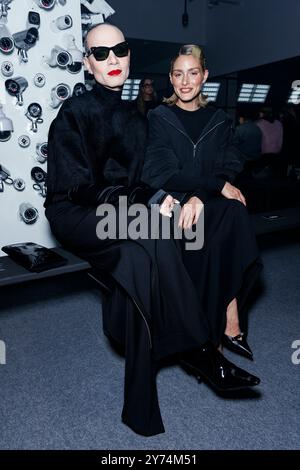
162	168
231	160
93	195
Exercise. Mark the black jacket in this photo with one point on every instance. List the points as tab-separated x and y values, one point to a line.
96	148
173	162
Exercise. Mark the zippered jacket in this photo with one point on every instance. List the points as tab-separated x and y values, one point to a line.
174	162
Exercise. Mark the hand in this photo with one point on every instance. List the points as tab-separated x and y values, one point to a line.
167	206
190	213
231	192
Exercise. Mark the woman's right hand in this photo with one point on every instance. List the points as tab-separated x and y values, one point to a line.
167	205
231	192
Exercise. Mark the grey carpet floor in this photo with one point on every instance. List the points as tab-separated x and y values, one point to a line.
62	384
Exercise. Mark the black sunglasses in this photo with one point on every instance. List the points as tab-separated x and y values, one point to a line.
102	52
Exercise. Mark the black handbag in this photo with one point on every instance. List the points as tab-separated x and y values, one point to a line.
34	257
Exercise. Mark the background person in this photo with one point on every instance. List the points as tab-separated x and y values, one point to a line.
147	96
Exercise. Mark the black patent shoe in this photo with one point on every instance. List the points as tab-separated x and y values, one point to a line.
209	364
238	344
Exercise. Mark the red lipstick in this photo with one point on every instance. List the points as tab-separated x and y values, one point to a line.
114	72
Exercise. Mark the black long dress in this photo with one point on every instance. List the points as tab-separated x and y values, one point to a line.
98	141
192	151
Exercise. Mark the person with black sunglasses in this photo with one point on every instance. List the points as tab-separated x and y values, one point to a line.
95	154
102	52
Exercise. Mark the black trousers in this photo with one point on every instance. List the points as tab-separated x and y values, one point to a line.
154	312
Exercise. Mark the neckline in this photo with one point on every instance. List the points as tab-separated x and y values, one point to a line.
186	110
113	96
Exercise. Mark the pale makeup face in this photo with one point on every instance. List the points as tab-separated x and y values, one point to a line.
187	79
113	71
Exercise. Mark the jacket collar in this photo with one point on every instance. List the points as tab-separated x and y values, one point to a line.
167	114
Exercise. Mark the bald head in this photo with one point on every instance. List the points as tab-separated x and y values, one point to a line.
103	35
111	68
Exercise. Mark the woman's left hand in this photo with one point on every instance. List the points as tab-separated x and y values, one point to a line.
190	213
231	192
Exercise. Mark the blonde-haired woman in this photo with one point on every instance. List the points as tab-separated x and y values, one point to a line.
190	151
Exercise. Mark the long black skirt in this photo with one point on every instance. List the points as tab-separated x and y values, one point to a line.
154	311
228	264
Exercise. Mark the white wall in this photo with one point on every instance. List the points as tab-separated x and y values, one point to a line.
19	161
160	20
255	33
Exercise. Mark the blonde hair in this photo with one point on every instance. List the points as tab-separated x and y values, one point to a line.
197	52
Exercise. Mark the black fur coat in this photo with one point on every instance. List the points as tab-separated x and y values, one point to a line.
95	139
